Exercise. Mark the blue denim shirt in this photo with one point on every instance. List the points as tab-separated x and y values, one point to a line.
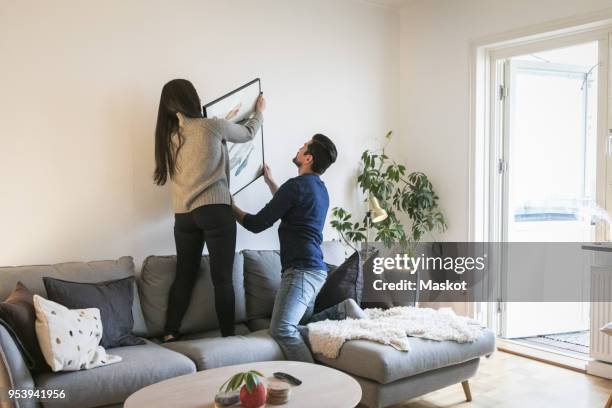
301	204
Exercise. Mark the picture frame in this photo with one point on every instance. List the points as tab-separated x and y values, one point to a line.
245	159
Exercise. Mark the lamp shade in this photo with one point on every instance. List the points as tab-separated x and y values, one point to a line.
377	214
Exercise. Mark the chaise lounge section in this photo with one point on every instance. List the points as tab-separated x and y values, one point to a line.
388	376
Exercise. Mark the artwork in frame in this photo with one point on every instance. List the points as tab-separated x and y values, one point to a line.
245	159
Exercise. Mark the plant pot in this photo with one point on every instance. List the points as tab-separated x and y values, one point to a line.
254	399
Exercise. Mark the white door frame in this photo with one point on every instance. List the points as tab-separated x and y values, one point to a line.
485	181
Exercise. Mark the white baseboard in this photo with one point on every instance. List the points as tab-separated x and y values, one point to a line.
543	354
599	368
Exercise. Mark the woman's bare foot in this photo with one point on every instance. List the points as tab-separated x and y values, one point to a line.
170	337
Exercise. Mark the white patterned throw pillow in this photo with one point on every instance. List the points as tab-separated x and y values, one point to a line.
70	339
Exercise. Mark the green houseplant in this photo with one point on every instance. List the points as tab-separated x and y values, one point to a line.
398	192
253	391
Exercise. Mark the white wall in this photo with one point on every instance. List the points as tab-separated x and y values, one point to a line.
80	84
434	97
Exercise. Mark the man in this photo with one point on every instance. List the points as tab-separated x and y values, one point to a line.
301	204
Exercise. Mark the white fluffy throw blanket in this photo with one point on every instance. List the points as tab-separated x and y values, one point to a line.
392	327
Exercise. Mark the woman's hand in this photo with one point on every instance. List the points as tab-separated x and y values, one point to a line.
232	114
260	105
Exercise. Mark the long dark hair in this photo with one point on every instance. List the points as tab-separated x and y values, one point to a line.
178	95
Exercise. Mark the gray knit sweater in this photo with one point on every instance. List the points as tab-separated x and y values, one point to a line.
202	165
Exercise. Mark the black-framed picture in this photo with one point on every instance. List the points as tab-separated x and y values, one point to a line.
245	159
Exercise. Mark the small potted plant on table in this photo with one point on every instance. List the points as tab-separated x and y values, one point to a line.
253	391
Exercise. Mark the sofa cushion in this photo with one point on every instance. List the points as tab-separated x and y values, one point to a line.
240	329
384	364
141	366
96	271
155	280
223	351
113	299
259	324
262	277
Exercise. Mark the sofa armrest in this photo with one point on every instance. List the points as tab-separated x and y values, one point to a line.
14	373
5	382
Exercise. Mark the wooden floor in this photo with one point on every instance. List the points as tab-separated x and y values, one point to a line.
506	380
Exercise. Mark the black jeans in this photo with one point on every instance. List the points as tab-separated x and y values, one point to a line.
215	225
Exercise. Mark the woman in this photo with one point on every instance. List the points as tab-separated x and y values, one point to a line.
192	151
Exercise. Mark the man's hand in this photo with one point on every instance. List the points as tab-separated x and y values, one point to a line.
267	173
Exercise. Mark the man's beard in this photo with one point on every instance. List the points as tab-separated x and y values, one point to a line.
296	161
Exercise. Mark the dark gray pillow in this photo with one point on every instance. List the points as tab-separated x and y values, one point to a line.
343	282
386	299
114	299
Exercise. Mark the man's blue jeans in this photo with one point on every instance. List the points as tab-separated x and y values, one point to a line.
293	306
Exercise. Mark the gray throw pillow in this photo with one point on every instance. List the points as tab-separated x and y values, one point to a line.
114	299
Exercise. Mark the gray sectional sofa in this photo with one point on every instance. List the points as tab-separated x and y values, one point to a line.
387	376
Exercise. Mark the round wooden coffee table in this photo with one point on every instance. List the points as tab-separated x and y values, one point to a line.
321	387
